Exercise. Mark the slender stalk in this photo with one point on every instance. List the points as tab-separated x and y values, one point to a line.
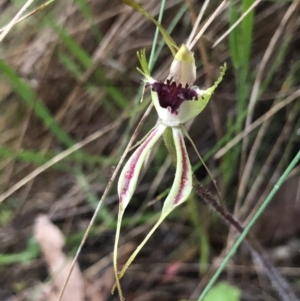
136	251
115	256
161	12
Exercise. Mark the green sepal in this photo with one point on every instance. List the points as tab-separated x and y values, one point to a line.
190	109
144	64
169	41
208	93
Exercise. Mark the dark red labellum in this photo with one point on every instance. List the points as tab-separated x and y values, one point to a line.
172	95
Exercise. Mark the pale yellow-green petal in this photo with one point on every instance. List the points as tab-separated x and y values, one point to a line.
130	173
190	109
182	185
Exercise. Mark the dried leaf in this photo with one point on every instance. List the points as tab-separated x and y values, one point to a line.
51	241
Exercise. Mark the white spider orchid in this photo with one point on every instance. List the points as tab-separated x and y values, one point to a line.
176	102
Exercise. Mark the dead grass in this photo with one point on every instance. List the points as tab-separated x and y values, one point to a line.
90	94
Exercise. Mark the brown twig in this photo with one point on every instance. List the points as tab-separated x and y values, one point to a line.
282	287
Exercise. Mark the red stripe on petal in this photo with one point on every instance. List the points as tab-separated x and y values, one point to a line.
185	171
133	163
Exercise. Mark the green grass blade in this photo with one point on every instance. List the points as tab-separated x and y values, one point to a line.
70	65
170	28
32	251
80	54
247	29
86	61
36	157
87	13
104	215
28	96
233	36
162	9
243	235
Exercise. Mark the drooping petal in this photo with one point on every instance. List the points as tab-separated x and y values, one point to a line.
182	184
179	192
129	175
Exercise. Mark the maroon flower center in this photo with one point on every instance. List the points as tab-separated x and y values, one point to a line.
172	95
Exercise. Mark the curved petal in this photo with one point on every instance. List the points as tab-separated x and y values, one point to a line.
190	109
182	185
129	175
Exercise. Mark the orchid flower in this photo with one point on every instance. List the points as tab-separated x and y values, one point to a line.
176	101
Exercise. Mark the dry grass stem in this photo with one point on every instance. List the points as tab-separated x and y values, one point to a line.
14	20
256	123
57	159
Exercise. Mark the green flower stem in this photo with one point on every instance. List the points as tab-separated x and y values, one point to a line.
138	249
115	255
